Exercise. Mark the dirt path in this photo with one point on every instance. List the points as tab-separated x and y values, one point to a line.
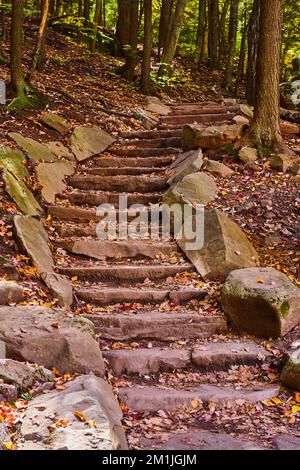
182	378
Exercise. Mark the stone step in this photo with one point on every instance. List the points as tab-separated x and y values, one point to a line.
201	109
107	296
126	273
129	184
208	356
149	162
157	326
151	399
90	230
162	142
95	198
104	249
115	171
195	118
152	134
145	152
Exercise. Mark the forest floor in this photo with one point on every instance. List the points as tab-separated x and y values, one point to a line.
86	89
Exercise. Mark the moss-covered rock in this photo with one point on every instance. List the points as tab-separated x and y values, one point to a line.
13	161
261	301
291	373
21	195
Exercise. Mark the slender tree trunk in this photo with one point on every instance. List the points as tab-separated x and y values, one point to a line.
39	56
52	8
213	32
265	127
16	40
241	67
95	25
164	24
146	62
87	9
131	51
222	34
253	36
172	40
232	34
80	8
123	23
201	30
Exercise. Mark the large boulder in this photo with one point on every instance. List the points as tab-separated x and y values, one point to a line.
57	122
21	195
50	338
34	240
83	416
261	301
214	137
155	105
196	188
23	375
10	293
51	178
185	164
291	373
225	248
286	163
89	141
60	287
35	150
217	168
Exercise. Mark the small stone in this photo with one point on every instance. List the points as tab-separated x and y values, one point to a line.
10	293
8	393
217	168
59	150
241	120
291	373
286	163
248	155
57	122
60	286
155	105
89	141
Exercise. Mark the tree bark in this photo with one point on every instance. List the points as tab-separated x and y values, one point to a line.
242	59
39	56
265	127
131	50
95	25
146	62
16	40
87	9
123	23
213	32
201	30
222	36
253	36
164	24
232	34
172	40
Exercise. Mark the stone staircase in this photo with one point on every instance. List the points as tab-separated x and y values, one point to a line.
145	299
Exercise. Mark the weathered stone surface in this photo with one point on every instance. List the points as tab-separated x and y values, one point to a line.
57	122
147	119
21	195
287	442
151	399
226	246
214	137
4	436
289	128
155	105
217	168
146	361
261	301
51	177
218	356
89	395
291	373
34	239
185	164
248	155
89	141
247	110
206	440
8	393
60	286
23	375
35	150
13	161
59	150
50	338
10	293
286	163
241	120
197	188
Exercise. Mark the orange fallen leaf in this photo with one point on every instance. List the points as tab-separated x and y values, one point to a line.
9	446
81	416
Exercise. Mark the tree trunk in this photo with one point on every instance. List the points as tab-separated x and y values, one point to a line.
172	40
146	62
253	36
131	50
232	34
95	25
213	32
123	23
222	36
201	30
39	56
265	127
86	9
241	67
164	24
16	40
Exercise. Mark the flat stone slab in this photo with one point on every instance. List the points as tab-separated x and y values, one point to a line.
60	287
85	400
57	122
187	163
35	150
146	361
151	399
196	188
155	105
261	301
159	326
89	141
59	150
34	239
215	356
287	442
10	293
217	168
51	177
13	161
23	375
21	195
206	440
